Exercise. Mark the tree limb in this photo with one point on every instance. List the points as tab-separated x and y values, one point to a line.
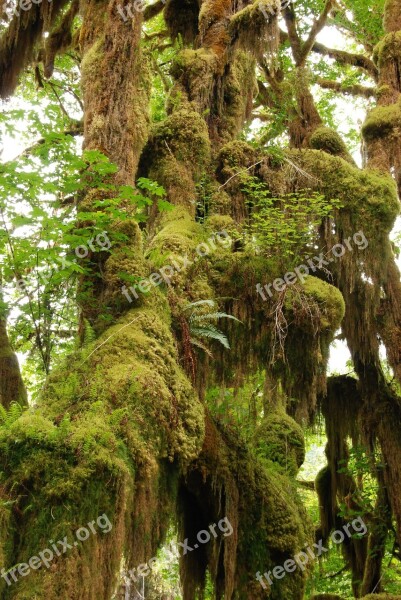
317	27
352	90
348	58
294	39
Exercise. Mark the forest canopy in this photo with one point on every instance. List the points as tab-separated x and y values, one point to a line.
200	300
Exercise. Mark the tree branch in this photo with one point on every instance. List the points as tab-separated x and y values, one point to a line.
352	90
348	58
317	27
295	40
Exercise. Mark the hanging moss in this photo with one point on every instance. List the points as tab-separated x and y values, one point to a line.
280	439
224	482
255	27
325	300
92	445
18	40
181	17
368	196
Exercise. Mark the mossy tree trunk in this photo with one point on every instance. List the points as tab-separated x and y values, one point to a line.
12	387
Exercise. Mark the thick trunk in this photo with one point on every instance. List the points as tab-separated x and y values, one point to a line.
12	388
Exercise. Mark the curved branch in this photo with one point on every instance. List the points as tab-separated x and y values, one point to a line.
348	58
353	90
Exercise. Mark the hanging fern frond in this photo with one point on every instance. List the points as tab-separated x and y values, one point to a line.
211	333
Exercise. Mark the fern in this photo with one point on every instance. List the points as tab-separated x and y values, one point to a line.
8	417
212	333
201	326
89	333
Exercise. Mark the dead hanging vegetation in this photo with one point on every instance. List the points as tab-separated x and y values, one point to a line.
18	41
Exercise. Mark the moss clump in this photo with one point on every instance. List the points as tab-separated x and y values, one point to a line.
324	300
233	157
226	223
324	138
388	49
184	133
178	236
368	197
177	153
212	11
240	88
195	70
382	121
280	439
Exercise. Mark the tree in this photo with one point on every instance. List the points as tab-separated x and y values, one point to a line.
122	427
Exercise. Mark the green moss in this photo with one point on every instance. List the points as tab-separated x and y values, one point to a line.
382	121
234	156
280	439
195	71
324	138
186	136
252	30
368	197
276	528
177	237
329	301
120	413
388	49
177	154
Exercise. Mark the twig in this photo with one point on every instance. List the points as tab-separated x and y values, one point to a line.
243	171
106	340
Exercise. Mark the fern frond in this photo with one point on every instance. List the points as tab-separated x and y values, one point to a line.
213	316
212	333
200	345
210	303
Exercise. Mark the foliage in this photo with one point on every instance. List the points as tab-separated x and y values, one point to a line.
285	226
202	315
